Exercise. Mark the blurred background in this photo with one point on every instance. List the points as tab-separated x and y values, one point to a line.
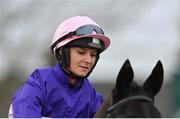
143	31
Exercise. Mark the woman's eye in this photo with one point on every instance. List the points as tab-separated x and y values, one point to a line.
81	52
93	55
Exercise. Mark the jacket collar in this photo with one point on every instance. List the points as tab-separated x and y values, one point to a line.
63	78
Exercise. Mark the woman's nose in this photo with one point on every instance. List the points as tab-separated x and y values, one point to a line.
88	58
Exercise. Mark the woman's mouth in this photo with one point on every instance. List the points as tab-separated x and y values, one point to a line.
84	68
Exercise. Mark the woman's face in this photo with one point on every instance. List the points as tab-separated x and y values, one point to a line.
82	60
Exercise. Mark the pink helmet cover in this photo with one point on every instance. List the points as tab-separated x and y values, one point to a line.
71	24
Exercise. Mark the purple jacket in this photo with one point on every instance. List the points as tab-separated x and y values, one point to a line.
47	93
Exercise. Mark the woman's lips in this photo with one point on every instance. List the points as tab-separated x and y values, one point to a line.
84	67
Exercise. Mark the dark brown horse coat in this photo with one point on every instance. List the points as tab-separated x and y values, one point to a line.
128	99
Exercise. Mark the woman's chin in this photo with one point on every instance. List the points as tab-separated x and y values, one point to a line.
82	74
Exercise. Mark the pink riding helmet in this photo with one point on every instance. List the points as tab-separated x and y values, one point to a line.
71	25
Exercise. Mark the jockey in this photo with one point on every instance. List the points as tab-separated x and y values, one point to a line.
64	90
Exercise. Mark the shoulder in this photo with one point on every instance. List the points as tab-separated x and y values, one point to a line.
87	83
39	75
47	75
91	87
34	85
96	97
43	71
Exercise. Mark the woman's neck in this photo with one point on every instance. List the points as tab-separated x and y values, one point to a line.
72	81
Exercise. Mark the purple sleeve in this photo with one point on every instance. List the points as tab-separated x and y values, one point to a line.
28	100
98	101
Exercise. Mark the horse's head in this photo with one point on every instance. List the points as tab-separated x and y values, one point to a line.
128	99
131	100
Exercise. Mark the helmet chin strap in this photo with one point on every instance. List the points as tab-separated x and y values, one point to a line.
71	74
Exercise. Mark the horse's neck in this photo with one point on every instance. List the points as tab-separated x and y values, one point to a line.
102	111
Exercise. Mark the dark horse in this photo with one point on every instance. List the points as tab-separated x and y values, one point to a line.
128	99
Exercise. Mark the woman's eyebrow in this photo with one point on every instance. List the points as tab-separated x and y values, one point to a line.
94	51
86	49
83	48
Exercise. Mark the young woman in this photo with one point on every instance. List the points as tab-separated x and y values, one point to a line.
64	90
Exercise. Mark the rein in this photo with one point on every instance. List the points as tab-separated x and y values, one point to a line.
132	98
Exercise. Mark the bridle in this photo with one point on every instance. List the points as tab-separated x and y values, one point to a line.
128	99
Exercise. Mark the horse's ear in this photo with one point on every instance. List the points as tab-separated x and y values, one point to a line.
154	82
125	77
